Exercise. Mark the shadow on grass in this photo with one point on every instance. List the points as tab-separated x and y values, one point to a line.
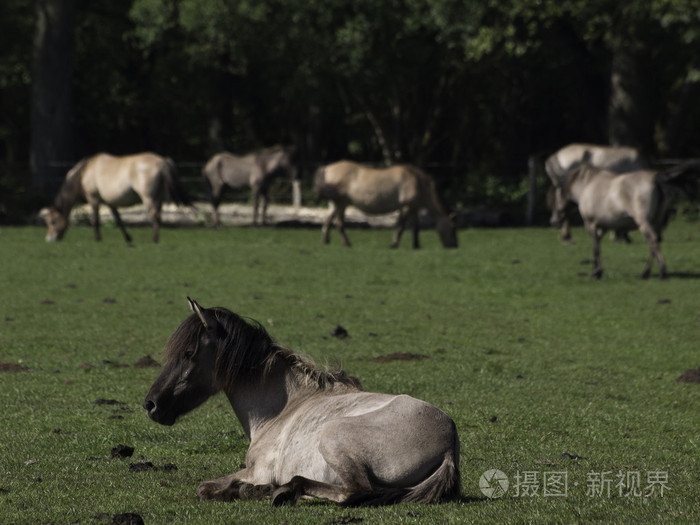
683	275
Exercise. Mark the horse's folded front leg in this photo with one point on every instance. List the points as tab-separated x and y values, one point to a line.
230	488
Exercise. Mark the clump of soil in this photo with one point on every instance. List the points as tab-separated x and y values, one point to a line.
122	451
128	518
400	356
102	401
12	367
142	467
690	376
147	362
339	332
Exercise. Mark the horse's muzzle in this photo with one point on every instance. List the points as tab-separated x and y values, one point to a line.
156	415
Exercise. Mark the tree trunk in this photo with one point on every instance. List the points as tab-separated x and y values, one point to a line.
52	107
630	119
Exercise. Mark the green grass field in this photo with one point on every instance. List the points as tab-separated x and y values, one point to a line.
549	375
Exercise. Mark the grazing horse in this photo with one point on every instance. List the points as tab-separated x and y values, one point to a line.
637	200
116	182
377	191
618	159
255	171
312	433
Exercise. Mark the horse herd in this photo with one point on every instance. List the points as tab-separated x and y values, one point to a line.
314	433
612	187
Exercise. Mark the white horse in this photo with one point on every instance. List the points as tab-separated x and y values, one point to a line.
312	433
637	200
617	159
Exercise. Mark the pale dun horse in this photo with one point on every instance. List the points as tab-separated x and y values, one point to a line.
378	191
617	159
312	433
637	200
256	171
115	182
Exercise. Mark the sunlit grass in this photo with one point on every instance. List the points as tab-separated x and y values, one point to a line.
530	357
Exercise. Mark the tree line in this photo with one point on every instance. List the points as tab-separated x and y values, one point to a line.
467	89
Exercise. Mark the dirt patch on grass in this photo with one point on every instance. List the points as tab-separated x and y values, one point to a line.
128	518
147	362
400	356
339	332
12	367
690	376
122	451
142	467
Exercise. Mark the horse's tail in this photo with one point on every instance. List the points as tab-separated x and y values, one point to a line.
684	177
442	485
175	189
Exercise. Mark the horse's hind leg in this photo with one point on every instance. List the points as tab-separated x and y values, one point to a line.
325	229
595	236
154	216
96	221
340	224
400	227
654	252
289	493
120	224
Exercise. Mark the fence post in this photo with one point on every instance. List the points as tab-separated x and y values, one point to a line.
532	189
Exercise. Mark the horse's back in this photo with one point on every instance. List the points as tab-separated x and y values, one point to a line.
618	159
372	190
123	180
414	435
619	201
235	171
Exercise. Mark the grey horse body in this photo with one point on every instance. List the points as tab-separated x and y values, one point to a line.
312	433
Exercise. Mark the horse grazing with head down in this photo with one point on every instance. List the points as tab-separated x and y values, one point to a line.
116	182
312	433
637	200
377	191
256	171
617	159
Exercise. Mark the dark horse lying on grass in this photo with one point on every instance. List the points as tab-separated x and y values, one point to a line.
116	182
312	433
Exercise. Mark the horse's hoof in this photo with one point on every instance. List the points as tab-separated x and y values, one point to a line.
283	496
597	275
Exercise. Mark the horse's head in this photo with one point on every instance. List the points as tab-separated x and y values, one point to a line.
447	230
188	377
57	224
558	201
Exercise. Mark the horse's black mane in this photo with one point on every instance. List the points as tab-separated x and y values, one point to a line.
245	350
70	189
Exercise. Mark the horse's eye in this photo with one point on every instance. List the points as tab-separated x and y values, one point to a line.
189	354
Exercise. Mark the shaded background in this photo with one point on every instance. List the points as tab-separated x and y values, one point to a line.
469	90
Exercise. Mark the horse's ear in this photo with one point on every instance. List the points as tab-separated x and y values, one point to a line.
199	311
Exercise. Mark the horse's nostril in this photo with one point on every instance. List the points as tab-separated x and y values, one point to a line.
149	405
